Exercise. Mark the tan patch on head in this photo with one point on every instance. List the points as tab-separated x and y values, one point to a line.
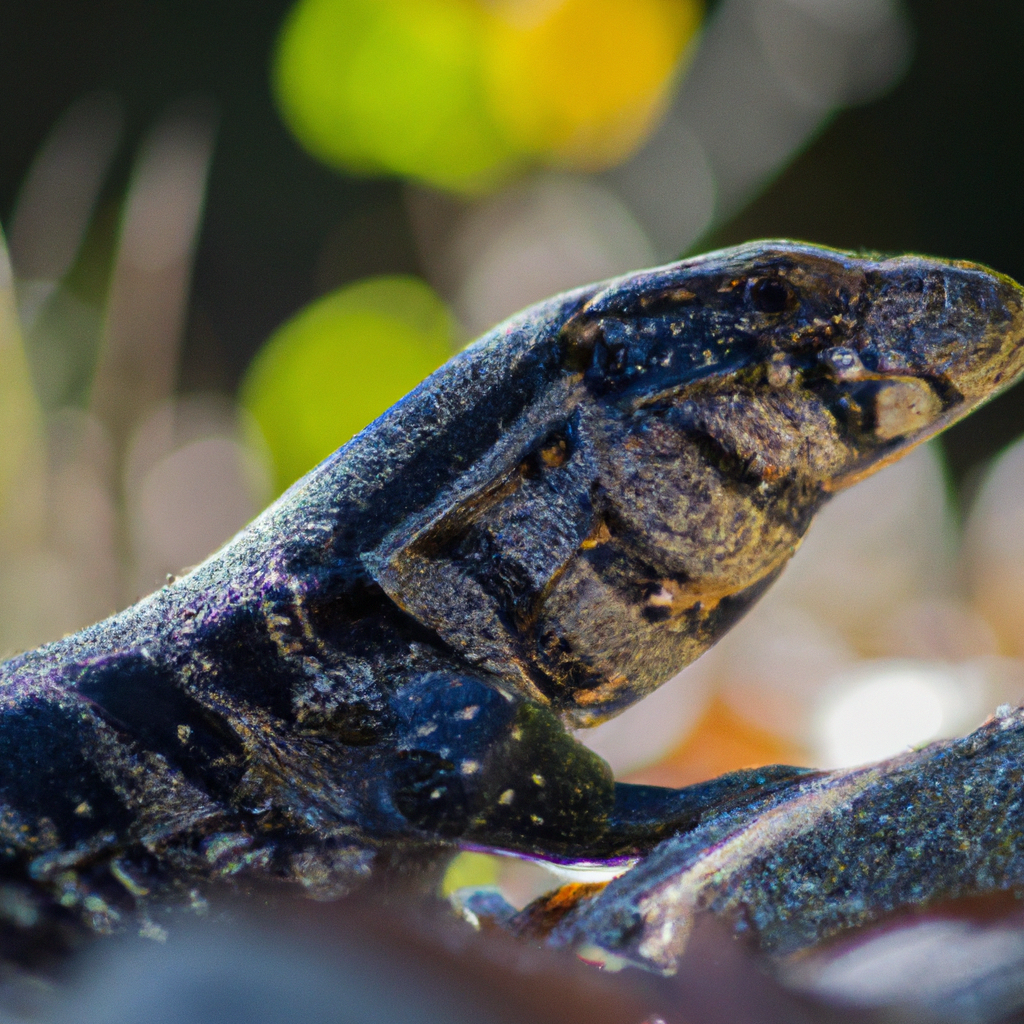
904	407
779	373
679	598
667	297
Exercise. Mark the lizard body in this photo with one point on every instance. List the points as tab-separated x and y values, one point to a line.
383	664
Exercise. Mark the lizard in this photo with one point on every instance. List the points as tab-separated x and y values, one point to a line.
384	666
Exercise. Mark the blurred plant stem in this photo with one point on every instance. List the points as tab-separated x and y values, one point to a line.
149	288
22	463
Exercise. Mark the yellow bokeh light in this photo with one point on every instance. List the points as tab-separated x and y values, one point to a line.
584	81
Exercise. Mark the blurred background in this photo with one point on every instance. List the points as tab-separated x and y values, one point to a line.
238	232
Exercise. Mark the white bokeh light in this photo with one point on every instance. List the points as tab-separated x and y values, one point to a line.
552	233
882	708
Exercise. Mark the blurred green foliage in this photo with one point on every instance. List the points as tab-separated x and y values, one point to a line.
340	363
462	94
391	86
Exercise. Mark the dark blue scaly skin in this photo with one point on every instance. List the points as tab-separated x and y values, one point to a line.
381	667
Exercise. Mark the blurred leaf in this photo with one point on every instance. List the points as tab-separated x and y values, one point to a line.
391	86
340	363
585	81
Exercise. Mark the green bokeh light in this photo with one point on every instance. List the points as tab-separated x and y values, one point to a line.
392	86
470	871
340	363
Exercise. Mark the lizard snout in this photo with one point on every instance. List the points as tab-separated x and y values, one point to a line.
955	323
935	340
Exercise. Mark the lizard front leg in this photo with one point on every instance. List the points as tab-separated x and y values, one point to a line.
479	765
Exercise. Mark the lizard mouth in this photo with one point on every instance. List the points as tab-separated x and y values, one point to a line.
890	414
892	452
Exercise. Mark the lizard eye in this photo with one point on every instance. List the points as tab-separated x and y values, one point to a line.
770	295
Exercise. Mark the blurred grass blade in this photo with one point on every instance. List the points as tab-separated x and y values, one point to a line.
58	196
149	288
21	454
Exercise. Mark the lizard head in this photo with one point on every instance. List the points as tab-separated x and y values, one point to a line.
728	396
934	341
887	351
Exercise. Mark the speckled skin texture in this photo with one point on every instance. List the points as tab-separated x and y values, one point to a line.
834	852
382	665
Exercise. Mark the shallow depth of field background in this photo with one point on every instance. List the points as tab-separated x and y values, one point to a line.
238	232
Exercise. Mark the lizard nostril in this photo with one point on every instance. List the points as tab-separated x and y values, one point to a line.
842	363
